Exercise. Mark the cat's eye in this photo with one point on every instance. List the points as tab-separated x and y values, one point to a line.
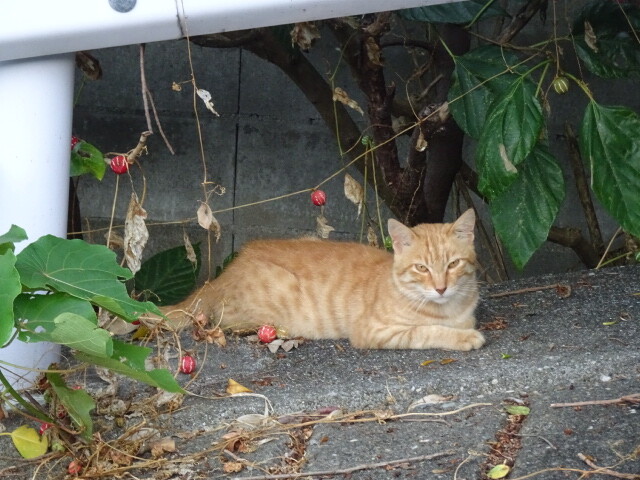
422	268
455	263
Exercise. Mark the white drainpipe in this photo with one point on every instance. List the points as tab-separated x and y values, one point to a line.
36	89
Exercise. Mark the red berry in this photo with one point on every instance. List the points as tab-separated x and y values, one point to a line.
267	334
119	164
135	322
43	427
74	141
74	468
318	197
187	364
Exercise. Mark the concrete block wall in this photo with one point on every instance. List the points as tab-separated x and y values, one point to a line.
268	142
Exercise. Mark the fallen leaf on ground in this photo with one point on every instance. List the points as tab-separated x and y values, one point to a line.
234	387
29	442
499	471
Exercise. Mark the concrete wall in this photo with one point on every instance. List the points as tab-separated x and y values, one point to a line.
267	142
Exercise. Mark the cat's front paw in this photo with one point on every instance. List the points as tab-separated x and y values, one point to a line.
470	340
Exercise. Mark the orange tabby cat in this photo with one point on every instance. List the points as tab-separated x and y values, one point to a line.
421	296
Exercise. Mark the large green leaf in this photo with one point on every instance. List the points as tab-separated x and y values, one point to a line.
478	78
610	142
10	287
169	276
35	314
160	378
523	215
510	132
80	334
605	35
458	12
85	158
77	402
86	271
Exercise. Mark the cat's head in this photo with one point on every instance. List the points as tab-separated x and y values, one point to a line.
435	262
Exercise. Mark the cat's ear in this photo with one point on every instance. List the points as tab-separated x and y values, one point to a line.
401	235
464	225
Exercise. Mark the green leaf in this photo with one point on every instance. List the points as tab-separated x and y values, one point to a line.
86	271
77	402
134	355
499	471
160	378
458	13
85	158
14	235
517	410
169	276
611	48
478	78
510	132
610	142
28	442
10	287
78	333
35	313
523	215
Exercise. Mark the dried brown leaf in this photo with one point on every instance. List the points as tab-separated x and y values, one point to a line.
323	229
232	467
191	253
234	387
590	37
372	237
421	144
206	98
304	34
162	446
135	234
339	95
207	221
353	191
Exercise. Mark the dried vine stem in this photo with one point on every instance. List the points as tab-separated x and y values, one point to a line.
633	398
606	471
349	470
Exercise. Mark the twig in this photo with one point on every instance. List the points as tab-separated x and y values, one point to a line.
142	142
347	471
606	471
527	290
633	398
143	85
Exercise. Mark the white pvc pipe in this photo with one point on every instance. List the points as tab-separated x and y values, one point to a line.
36	97
30	28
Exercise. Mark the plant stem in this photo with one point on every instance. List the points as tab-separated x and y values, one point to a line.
18	398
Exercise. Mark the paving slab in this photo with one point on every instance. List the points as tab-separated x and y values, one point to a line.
327	410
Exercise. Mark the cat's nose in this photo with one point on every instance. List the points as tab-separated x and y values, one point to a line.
441	290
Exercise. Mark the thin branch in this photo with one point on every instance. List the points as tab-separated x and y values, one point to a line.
583	188
607	471
527	11
632	398
143	85
558	286
347	471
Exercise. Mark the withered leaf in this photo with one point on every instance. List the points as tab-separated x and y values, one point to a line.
446	361
207	221
421	144
232	467
304	34
323	229
162	446
353	191
339	95
206	98
191	253
135	234
234	387
590	36
372	237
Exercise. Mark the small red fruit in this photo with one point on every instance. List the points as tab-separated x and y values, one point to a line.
187	364
44	426
267	334
74	468
119	164
74	141
318	197
135	322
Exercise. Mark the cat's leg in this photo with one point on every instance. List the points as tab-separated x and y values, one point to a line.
419	337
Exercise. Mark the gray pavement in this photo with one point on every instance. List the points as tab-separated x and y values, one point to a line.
345	412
